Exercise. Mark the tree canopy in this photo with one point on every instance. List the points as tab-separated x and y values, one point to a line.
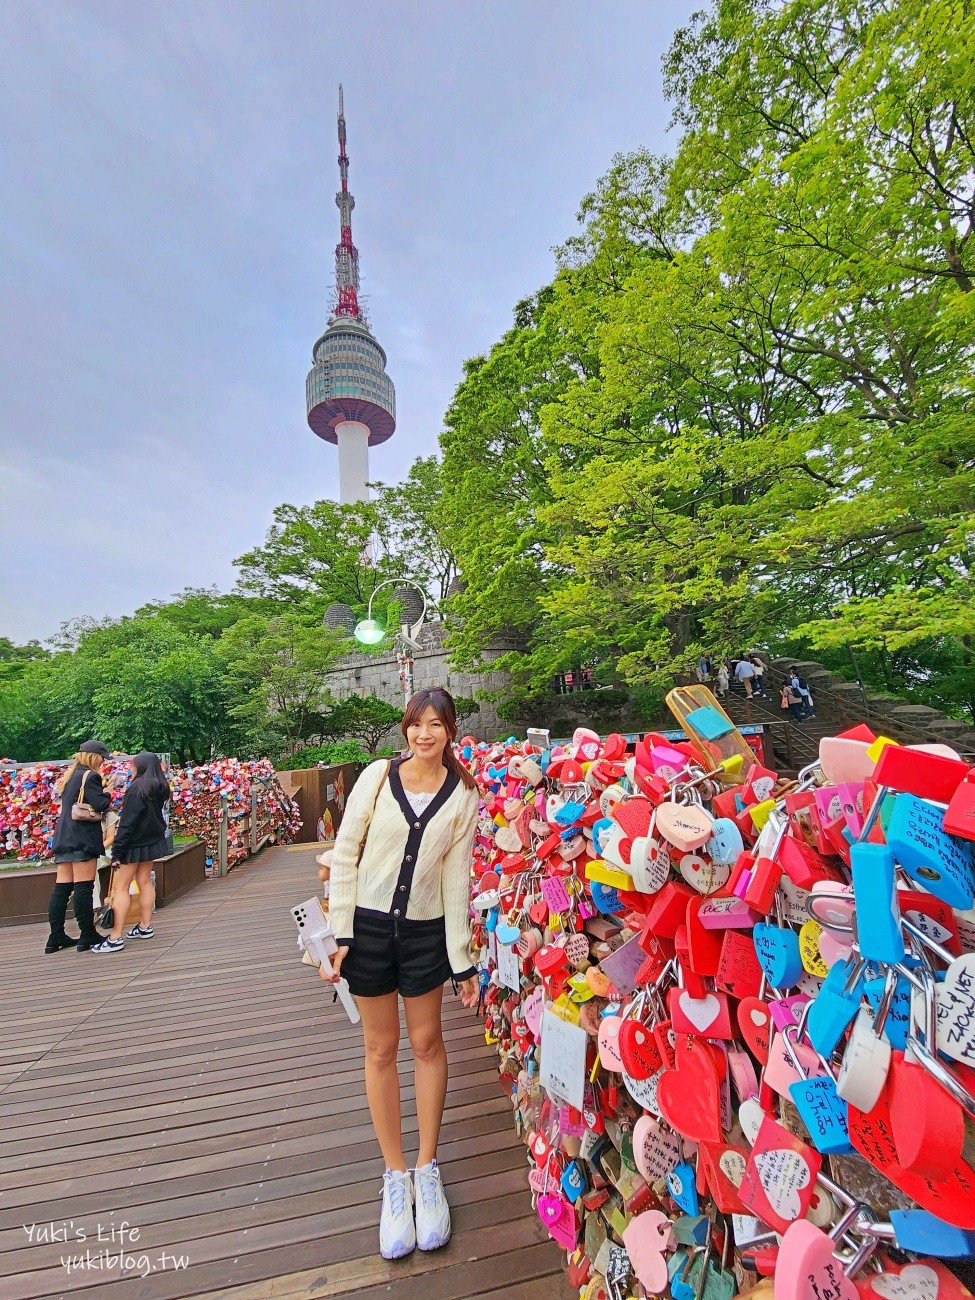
742	410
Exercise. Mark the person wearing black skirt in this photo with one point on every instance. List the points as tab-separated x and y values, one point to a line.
140	840
77	846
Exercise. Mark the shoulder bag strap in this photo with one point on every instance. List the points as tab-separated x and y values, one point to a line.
362	846
81	788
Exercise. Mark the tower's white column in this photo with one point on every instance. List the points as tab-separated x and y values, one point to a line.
353	461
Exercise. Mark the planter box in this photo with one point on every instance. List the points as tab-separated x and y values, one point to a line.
315	789
24	893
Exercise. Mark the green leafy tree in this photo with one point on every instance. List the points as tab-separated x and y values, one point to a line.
15	659
277	665
767	432
365	718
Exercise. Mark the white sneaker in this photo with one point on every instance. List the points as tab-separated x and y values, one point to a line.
432	1210
397	1234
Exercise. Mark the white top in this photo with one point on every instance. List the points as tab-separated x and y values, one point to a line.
384	877
419	800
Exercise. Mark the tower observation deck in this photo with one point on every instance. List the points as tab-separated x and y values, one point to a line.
351	400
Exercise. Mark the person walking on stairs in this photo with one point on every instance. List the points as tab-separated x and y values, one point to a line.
78	844
400	909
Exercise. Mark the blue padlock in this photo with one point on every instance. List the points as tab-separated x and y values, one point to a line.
777	950
600	830
678	1268
725	843
921	1232
836	1004
570	813
940	863
878	917
606	899
682	1187
898	1017
824	1112
491	920
573	1182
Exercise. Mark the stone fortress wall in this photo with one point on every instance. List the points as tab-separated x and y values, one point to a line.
372	674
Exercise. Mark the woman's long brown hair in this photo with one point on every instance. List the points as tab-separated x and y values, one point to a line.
442	703
93	762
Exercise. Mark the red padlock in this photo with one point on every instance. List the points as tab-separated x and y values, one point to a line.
703	945
762	885
693	982
669	909
960	817
804	865
912	771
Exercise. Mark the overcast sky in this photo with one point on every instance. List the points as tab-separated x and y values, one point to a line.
167	226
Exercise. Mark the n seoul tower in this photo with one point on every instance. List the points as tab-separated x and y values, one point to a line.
351	400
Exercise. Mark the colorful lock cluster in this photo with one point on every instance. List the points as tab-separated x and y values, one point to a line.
735	1013
30	803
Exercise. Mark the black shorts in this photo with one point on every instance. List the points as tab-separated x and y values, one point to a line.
391	954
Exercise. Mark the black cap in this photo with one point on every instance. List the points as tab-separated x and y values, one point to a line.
94	747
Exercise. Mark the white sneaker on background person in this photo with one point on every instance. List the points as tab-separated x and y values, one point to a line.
397	1233
432	1210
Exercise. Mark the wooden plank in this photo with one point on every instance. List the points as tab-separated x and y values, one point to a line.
242	1135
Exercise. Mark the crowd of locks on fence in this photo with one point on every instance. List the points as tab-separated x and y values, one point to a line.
30	804
735	1014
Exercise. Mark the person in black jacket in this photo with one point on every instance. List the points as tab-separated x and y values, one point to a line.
77	846
140	840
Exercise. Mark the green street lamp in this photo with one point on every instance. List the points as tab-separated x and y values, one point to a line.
371	632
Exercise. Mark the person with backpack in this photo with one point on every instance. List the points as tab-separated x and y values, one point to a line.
791	700
77	845
140	841
801	687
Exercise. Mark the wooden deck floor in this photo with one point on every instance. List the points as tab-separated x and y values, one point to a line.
200	1088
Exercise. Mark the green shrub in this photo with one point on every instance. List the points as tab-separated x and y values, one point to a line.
339	751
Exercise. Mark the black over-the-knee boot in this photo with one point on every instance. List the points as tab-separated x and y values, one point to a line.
84	910
56	911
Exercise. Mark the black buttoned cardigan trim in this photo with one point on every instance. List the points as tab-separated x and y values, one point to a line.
417	823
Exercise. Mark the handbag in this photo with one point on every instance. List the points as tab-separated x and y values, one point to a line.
106	918
81	811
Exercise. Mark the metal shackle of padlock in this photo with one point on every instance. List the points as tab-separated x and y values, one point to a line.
808	1263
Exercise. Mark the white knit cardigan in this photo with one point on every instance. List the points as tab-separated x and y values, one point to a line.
441	875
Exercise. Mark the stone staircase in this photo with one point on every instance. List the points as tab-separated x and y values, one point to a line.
840	705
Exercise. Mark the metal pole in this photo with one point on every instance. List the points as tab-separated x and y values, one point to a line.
222	867
253	817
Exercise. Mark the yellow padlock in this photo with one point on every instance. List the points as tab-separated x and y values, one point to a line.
565	1009
579	990
604	874
760	813
876	747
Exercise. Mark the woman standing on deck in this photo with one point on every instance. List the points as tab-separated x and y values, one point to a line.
140	840
400	909
78	844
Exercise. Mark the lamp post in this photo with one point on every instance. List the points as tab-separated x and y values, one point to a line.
371	632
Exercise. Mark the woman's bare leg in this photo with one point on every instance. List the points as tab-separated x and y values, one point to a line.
380	1028
147	893
423	1023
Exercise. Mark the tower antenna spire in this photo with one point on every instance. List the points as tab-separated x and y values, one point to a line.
346	253
350	398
